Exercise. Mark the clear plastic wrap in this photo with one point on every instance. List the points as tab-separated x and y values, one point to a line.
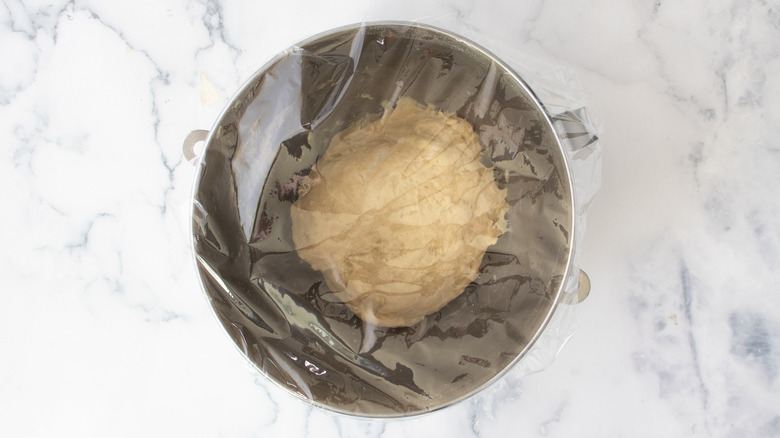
283	314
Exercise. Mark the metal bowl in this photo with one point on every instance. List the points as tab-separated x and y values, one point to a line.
278	310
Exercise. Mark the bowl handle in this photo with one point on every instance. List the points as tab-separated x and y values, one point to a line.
583	290
576	128
193	138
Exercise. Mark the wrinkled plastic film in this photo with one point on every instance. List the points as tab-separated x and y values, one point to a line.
282	313
559	90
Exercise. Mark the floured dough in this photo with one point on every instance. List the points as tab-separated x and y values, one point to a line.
398	213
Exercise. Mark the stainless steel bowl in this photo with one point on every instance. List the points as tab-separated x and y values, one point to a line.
277	309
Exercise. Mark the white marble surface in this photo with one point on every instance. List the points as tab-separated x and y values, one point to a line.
103	329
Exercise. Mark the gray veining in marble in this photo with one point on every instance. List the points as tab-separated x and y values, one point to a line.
104	330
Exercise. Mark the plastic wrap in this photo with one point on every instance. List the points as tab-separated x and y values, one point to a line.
281	313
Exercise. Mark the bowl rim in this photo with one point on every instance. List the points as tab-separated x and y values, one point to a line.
567	171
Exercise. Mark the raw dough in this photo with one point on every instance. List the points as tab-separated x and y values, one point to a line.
398	213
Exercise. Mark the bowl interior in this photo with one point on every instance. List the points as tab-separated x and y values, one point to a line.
279	311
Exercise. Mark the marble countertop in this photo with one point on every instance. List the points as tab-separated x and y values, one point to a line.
104	330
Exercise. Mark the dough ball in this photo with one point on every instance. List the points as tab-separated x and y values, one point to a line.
398	213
